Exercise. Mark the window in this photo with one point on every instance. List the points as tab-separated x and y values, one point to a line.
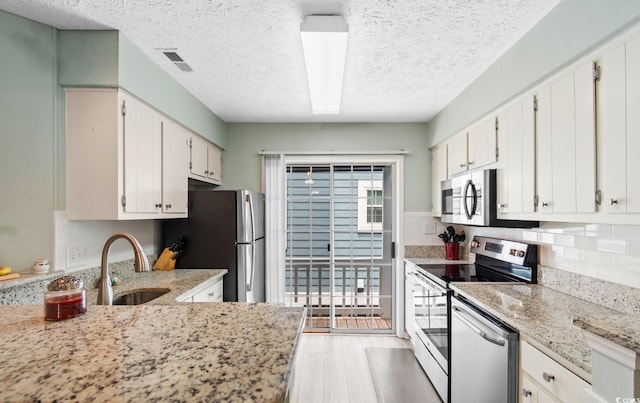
370	206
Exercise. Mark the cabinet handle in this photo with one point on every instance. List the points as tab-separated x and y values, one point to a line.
545	204
159	205
471	163
526	392
167	205
463	165
212	294
206	172
502	205
614	201
548	377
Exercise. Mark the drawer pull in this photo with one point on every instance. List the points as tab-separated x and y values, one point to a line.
526	392
212	294
548	377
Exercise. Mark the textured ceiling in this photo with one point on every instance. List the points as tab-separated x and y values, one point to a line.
406	59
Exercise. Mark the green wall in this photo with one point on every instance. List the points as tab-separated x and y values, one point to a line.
570	30
242	163
110	59
27	140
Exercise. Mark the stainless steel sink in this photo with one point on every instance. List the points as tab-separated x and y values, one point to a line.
139	297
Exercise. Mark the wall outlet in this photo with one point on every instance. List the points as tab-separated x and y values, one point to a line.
75	256
429	228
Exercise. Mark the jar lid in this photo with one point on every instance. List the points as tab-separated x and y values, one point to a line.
65	283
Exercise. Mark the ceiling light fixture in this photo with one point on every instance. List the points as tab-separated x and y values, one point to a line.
324	42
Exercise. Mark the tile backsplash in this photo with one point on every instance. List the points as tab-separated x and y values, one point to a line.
609	252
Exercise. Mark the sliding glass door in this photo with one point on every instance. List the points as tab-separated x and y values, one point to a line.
339	246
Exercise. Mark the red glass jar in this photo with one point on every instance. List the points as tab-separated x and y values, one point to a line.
65	298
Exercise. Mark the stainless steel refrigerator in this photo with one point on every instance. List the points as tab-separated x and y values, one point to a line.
225	230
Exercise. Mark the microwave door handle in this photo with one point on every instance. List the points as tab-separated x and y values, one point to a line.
474	209
468	213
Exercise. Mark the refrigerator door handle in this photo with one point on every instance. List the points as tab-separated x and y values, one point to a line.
253	245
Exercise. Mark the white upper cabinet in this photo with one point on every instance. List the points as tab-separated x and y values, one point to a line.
474	148
565	143
612	131
482	143
633	124
124	159
516	177
457	154
585	141
205	160
544	170
438	174
174	162
142	135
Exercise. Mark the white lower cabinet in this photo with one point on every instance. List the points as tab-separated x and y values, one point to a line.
210	291
542	379
530	393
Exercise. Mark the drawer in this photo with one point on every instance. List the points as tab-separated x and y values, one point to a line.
530	393
212	293
561	383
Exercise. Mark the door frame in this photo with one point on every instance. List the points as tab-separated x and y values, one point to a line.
397	231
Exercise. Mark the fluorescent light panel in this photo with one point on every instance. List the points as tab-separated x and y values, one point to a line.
324	42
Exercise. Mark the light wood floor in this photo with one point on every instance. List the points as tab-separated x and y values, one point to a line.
333	368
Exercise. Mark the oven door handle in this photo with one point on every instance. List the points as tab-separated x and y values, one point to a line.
428	284
460	314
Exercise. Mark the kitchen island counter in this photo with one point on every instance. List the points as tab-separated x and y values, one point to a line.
545	318
182	352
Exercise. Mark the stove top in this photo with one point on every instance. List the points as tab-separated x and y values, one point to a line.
444	274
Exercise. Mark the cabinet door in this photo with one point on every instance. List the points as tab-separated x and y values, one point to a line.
563	146
438	174
174	168
142	129
544	169
633	124
457	154
482	143
585	138
611	110
513	158
528	154
199	157
214	163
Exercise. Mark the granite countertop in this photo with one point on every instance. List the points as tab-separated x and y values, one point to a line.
545	318
178	281
163	350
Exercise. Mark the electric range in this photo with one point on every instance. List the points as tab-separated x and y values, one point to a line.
496	260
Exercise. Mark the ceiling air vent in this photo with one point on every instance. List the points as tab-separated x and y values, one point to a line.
177	60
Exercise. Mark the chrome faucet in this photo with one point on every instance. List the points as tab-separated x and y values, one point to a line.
105	292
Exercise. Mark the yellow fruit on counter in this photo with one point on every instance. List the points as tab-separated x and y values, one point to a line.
5	270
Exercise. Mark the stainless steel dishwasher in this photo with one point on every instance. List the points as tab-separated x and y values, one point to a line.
484	356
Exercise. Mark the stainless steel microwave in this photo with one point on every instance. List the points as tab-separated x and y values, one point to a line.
470	199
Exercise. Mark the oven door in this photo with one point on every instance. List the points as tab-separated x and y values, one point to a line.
431	318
